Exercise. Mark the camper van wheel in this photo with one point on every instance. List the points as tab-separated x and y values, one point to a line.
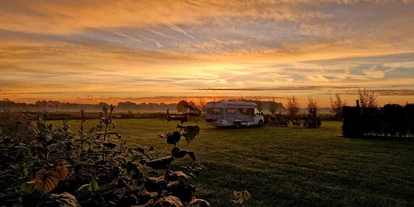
261	123
237	124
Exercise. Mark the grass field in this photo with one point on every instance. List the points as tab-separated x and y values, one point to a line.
289	166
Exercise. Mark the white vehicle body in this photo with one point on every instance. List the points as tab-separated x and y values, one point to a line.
233	113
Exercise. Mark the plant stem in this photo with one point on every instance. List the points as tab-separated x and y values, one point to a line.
106	131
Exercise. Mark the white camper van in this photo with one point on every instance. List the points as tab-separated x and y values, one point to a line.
233	113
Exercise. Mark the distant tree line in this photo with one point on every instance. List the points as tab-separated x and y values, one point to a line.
66	106
121	106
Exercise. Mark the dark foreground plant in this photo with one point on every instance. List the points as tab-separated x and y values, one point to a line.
54	167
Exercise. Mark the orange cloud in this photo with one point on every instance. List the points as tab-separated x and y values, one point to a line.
69	49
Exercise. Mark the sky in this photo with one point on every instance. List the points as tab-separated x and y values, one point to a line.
161	50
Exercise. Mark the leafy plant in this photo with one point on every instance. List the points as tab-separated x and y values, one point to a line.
96	167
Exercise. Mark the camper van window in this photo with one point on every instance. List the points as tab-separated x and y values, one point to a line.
231	111
243	111
247	111
214	111
250	112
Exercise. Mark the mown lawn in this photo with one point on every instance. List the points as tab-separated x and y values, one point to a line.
289	166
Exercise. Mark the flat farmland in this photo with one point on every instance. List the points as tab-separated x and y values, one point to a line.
287	166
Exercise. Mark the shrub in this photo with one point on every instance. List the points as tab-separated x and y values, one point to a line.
55	167
351	125
277	120
409	119
293	107
391	120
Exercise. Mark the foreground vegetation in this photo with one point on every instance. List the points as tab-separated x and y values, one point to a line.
289	166
43	165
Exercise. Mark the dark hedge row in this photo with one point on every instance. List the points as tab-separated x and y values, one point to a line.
392	120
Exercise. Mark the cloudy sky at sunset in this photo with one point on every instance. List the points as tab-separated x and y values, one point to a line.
90	51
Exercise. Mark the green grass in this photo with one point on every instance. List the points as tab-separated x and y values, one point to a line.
290	166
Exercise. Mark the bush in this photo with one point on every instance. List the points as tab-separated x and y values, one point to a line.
277	120
55	167
351	126
15	125
391	120
409	118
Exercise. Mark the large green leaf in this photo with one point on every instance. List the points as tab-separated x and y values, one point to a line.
93	185
106	189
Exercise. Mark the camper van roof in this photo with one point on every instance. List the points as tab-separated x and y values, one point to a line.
230	103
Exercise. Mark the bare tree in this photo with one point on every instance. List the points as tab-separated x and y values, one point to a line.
337	104
312	105
292	106
367	98
273	107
